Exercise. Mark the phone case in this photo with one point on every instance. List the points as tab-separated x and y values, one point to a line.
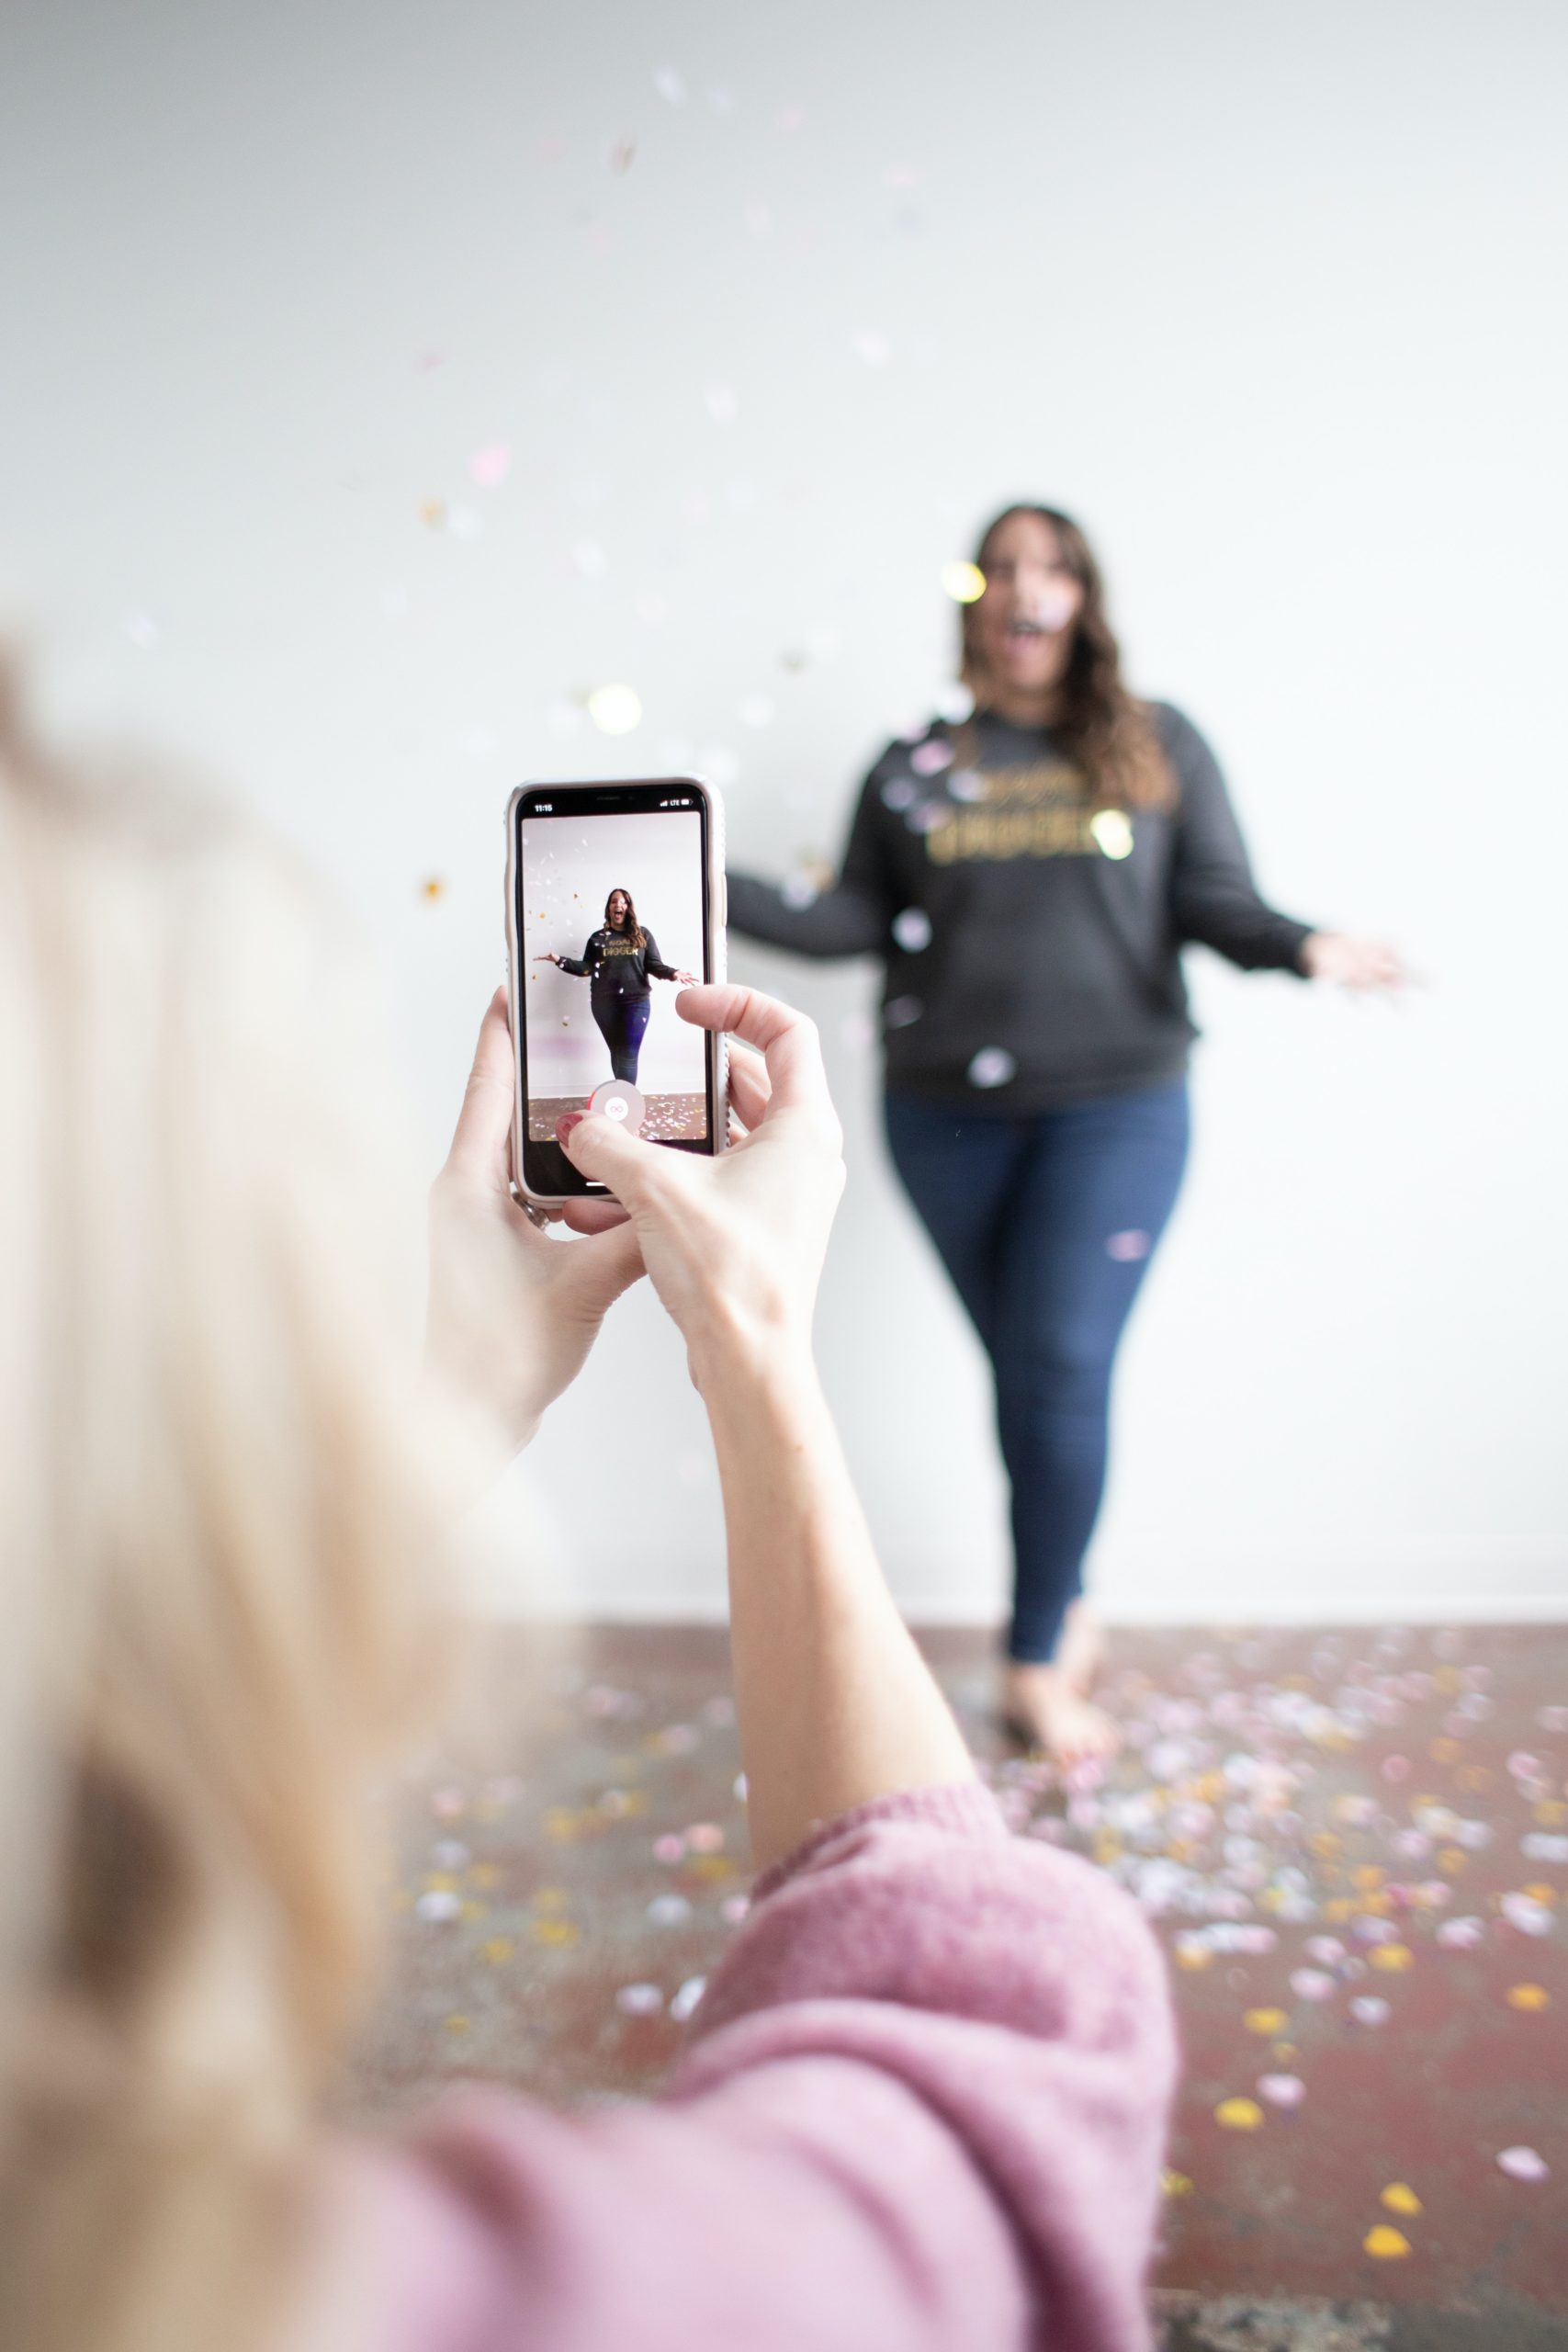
714	952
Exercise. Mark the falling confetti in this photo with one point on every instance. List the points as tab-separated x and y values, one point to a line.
992	1065
1399	2199
1268	2021
431	889
620	154
1238	2114
1529	1997
964	581
898	791
931	757
1113	832
955	702
615	710
684	2001
1528	1915
912	930
1281	2090
490	466
1369	2008
900	1011
1128	1247
1523	2163
437	1906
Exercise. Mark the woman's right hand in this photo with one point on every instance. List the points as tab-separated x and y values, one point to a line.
734	1244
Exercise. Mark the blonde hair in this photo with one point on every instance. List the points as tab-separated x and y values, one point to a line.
218	1507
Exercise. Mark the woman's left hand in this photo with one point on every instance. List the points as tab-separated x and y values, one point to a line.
1352	963
512	1312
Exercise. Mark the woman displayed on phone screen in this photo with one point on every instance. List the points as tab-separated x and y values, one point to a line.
618	962
1030	874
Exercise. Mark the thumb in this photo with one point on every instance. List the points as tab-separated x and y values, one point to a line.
598	1149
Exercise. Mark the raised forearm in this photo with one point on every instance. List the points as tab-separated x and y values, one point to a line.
836	1705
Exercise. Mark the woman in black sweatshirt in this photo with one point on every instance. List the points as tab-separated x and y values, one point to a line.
1030	875
618	962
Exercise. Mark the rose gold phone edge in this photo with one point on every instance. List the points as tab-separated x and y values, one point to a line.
715	955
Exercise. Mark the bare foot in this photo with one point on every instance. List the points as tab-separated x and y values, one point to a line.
1081	1653
1041	1707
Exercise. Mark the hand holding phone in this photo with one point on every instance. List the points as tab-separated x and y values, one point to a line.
734	1247
617	887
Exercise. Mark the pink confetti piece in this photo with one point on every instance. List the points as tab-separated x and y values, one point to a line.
708	1837
684	2000
1326	1950
1281	2090
1369	2008
1395	1769
1312	1984
1523	1912
1461	1935
639	2000
1524	1768
669	1847
490	466
1127	1249
733	1909
930	758
1554	1719
1523	2163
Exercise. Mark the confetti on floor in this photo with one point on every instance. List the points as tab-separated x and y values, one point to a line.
568	1907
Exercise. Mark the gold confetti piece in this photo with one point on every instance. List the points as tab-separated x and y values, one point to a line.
554	1931
615	710
1399	2199
498	1951
1448	1680
1175	2184
1550	1813
1393	1959
472	1913
440	1882
1337	1909
432	889
965	582
432	512
1474	1778
1450	1860
620	154
1265	2021
484	1874
1192	1956
1238	2114
1324	1842
1538	1892
551	1898
712	1866
457	2025
1445	1751
1528	1996
560	1823
1368	1875
1386	2245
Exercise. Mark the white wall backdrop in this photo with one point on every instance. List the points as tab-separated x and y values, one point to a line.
382	379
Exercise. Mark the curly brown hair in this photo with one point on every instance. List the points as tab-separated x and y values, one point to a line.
1106	730
634	930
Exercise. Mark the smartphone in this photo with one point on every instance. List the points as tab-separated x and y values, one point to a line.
615	900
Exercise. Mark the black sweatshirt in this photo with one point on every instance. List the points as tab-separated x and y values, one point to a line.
1032	940
616	966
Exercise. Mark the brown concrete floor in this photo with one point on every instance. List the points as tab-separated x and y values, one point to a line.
574	1859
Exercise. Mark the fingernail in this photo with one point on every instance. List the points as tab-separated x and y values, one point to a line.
565	1123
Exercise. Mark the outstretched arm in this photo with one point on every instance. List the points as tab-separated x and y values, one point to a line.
658	970
580	967
1215	900
851	918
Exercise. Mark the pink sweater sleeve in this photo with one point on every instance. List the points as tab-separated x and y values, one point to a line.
921	2111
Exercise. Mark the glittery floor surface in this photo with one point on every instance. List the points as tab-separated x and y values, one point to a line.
1353	1846
671	1117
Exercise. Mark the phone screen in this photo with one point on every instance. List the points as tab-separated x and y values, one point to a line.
610	920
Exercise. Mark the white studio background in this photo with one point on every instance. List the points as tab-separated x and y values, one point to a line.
660	860
382	379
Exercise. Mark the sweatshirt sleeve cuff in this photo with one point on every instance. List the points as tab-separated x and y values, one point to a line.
964	1807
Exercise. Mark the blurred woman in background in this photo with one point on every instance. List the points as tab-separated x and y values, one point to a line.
1030	876
924	2099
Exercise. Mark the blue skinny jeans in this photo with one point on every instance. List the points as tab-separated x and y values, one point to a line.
1046	1225
621	1020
